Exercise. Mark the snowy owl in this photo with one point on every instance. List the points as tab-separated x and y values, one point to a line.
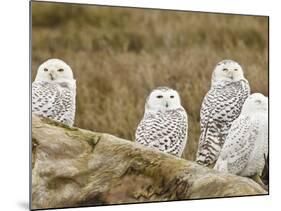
54	91
221	106
164	125
246	145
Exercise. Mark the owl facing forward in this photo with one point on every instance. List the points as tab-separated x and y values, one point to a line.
54	91
246	145
221	106
164	125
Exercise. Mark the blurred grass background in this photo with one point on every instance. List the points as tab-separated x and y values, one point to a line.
119	55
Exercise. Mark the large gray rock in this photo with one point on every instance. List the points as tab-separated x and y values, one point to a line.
74	167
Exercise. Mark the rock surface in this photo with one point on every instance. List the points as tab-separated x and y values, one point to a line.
74	167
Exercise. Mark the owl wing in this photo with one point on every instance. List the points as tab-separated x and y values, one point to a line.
44	96
53	101
238	146
166	132
177	133
220	107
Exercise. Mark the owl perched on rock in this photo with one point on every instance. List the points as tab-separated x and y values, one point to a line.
164	125
54	91
246	146
221	106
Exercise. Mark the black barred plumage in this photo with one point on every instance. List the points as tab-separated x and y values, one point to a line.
221	106
54	101
165	131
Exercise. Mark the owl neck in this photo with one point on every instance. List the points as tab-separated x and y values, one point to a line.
70	84
254	112
65	83
225	82
161	110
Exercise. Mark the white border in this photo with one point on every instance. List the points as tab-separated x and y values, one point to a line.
15	98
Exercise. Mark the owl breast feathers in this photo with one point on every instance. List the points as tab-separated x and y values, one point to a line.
54	100
220	107
164	131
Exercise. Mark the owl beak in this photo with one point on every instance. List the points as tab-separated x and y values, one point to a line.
167	104
51	76
231	76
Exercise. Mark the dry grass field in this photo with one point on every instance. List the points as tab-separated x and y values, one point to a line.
119	55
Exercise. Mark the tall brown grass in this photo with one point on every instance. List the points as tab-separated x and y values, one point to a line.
119	55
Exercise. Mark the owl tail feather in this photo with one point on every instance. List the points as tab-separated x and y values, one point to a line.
221	165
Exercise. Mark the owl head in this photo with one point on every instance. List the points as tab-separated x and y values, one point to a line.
227	70
254	103
162	99
54	70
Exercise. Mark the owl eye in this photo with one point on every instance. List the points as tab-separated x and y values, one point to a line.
258	101
172	96
45	69
224	69
60	70
159	96
235	69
